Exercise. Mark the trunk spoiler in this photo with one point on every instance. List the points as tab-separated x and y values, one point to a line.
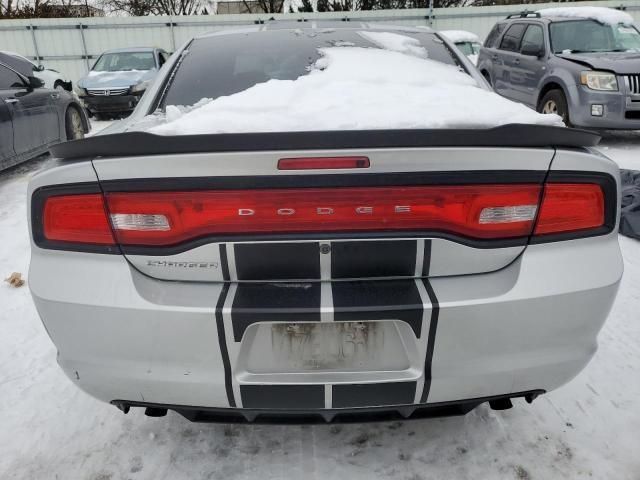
142	143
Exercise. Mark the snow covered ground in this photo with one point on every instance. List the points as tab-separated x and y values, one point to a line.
51	430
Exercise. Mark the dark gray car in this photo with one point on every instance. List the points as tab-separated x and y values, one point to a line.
584	70
33	118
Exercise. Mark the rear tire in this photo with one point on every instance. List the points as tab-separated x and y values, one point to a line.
73	124
555	101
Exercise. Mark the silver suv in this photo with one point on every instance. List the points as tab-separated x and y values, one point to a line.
586	71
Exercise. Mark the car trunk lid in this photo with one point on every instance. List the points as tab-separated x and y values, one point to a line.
387	213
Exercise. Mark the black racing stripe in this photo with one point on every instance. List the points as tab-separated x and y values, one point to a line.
379	300
274	302
385	258
373	394
277	261
426	261
282	396
223	261
222	341
431	340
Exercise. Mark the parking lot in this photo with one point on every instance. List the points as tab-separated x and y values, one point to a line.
50	429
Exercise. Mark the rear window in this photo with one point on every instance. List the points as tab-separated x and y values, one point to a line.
511	39
494	34
222	65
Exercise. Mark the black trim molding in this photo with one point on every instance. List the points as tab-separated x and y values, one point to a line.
142	143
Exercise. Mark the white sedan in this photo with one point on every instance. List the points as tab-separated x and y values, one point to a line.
51	78
467	42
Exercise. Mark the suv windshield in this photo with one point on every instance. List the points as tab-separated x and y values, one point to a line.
125	61
590	36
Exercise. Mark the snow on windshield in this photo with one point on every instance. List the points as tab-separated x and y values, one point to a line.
353	88
460	36
605	15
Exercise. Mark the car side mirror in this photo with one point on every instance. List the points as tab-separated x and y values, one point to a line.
532	50
35	82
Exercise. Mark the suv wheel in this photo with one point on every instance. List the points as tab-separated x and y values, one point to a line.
554	101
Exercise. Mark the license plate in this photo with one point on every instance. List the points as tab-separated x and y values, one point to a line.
327	346
315	347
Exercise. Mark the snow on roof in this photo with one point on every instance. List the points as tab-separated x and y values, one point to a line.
601	14
353	88
459	36
396	43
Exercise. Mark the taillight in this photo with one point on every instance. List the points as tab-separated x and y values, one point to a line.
76	219
79	217
570	207
474	211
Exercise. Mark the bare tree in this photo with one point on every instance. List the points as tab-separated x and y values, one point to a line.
177	7
345	5
263	6
6	8
140	8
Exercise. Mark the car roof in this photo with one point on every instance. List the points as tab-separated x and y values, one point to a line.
270	25
548	19
17	63
131	50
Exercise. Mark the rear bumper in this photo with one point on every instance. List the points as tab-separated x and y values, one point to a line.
344	415
127	337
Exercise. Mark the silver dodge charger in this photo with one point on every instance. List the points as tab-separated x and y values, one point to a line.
344	275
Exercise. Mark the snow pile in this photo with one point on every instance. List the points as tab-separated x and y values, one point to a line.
352	88
459	36
396	43
609	16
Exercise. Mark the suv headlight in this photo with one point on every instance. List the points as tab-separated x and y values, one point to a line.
81	92
140	87
599	80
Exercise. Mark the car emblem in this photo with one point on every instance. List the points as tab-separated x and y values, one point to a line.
107	92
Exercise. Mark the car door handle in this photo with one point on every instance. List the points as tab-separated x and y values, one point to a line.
55	96
516	61
11	100
494	57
